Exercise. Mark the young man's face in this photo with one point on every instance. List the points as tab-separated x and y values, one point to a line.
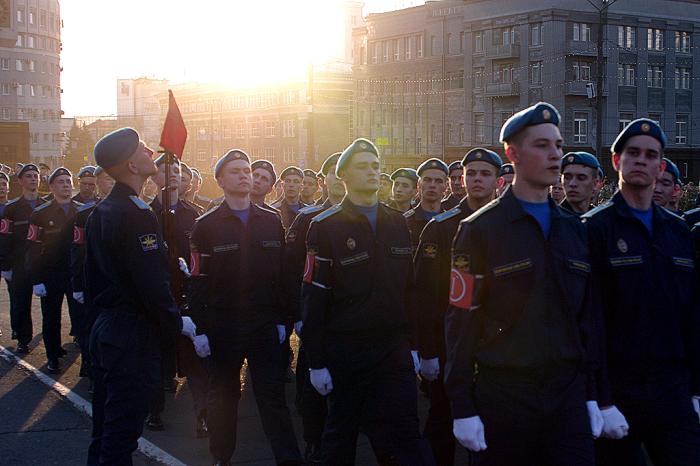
457	182
404	189
62	187
537	156
141	161
185	184
292	186
235	177
432	185
87	186
480	179
159	177
664	189
105	183
557	192
29	180
579	182
309	186
4	188
361	174
334	185
385	186
641	161
262	182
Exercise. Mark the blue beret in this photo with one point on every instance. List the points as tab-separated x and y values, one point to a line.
292	171
27	168
59	172
409	173
265	165
384	176
580	158
230	156
433	164
331	162
99	171
195	171
507	169
4	176
357	146
310	173
479	154
538	114
87	170
184	168
456	165
672	168
116	147
601	173
161	160
639	127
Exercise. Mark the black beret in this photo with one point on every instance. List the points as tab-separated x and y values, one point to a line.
357	146
580	158
331	162
291	171
639	127
507	169
409	173
538	114
116	147
161	160
433	164
479	154
184	168
4	176
456	165
59	172
230	156
265	165
87	170
672	168
28	167
310	173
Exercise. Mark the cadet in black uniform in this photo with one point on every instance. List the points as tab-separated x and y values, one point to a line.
667	186
579	174
87	188
404	189
186	185
264	178
385	185
644	265
238	302
50	235
505	178
309	187
521	316
356	324
432	265
290	203
457	190
13	253
126	282
432	183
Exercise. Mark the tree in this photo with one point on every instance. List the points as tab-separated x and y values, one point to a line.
78	150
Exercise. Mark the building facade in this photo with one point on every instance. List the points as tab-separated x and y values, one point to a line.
138	105
30	70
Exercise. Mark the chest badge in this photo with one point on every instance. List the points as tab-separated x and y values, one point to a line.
622	245
50	223
351	244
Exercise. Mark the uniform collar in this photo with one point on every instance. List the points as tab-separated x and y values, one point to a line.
224	211
659	214
515	211
122	190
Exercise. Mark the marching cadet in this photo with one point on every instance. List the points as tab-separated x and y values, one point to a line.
311	405
404	189
505	178
579	174
185	187
644	267
87	189
264	178
457	191
356	325
324	189
13	251
237	299
432	183
432	266
385	185
290	203
521	315
557	192
193	194
50	235
666	186
309	187
126	283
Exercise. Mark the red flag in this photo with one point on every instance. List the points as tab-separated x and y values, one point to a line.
174	134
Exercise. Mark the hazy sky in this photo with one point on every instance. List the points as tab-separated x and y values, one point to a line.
234	41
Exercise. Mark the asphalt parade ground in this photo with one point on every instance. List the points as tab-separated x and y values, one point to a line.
45	418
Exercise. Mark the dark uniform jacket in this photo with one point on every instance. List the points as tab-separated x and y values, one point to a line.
185	216
648	286
520	303
358	280
432	265
81	200
450	202
236	285
570	210
77	249
13	234
287	213
692	217
50	236
416	220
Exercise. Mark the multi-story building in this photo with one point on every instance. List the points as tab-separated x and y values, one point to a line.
138	105
517	53
30	70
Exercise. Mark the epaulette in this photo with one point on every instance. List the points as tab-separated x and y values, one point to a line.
310	209
43	206
691	211
673	214
409	213
599	208
483	210
327	213
13	201
447	214
276	205
208	213
84	207
266	210
139	202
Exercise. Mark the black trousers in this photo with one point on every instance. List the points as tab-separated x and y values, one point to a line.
438	424
51	305
374	390
534	420
661	417
262	350
20	288
125	366
311	405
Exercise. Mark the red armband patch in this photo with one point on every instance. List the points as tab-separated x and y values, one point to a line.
195	264
78	235
33	233
5	226
461	283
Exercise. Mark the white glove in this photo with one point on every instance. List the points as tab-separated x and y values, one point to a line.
469	432
297	328
201	346
416	361
189	329
430	369
183	267
39	290
596	418
615	425
281	333
696	405
79	296
6	274
321	380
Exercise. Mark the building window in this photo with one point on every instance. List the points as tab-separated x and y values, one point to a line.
269	153
461	42
42	18
625	75
626	37
580	127
255	129
450	134
433	46
582	71
396	50
582	32
375	53
30	42
385	47
682	41
288	155
655	76
31	16
407	47
419	46
20	40
32	90
655	117
625	119
536	72
655	39
462	136
504	36
419	145
478	42
288	129
433	135
536	34
5	113
32	65
20	16
479	127
448	44
5	63
478	78
19	65
681	129
240	130
5	88
270	129
682	78
503	73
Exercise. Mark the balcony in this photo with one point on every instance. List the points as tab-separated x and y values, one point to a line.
579	88
502	89
495	52
581	48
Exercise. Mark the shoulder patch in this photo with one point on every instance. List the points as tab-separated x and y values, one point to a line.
310	209
43	206
327	213
692	211
13	201
276	205
409	213
599	208
266	210
483	210
672	214
139	203
447	214
207	213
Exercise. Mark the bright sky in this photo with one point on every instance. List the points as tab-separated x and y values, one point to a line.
231	41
